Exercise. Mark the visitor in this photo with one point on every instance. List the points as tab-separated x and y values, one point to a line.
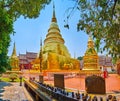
73	95
101	99
95	98
105	73
20	80
110	97
78	95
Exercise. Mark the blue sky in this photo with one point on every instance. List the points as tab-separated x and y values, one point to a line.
29	31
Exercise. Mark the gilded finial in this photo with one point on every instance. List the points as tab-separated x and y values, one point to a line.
54	18
53	9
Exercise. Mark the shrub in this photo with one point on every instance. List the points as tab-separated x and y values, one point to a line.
13	76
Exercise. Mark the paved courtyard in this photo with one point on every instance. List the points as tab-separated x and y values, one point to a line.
13	92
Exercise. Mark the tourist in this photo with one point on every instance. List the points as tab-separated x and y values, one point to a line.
95	98
20	80
77	95
101	99
110	97
73	95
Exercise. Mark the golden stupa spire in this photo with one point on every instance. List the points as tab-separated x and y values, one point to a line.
54	35
14	50
54	17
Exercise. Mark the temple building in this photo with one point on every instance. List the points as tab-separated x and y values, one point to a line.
14	60
54	55
26	59
91	63
105	63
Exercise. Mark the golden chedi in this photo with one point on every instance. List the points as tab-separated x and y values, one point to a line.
54	53
14	61
91	58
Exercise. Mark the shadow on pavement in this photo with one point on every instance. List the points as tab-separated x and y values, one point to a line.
4	100
2	85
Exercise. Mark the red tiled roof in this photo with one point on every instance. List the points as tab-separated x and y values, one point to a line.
31	55
27	58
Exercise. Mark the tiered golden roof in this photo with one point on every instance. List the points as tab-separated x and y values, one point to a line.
54	41
55	55
54	35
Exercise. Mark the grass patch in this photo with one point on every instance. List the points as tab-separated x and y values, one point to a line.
7	79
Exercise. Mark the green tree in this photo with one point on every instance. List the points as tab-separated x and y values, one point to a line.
80	58
10	10
101	18
6	28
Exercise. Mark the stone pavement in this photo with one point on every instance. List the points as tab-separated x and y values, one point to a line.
13	92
